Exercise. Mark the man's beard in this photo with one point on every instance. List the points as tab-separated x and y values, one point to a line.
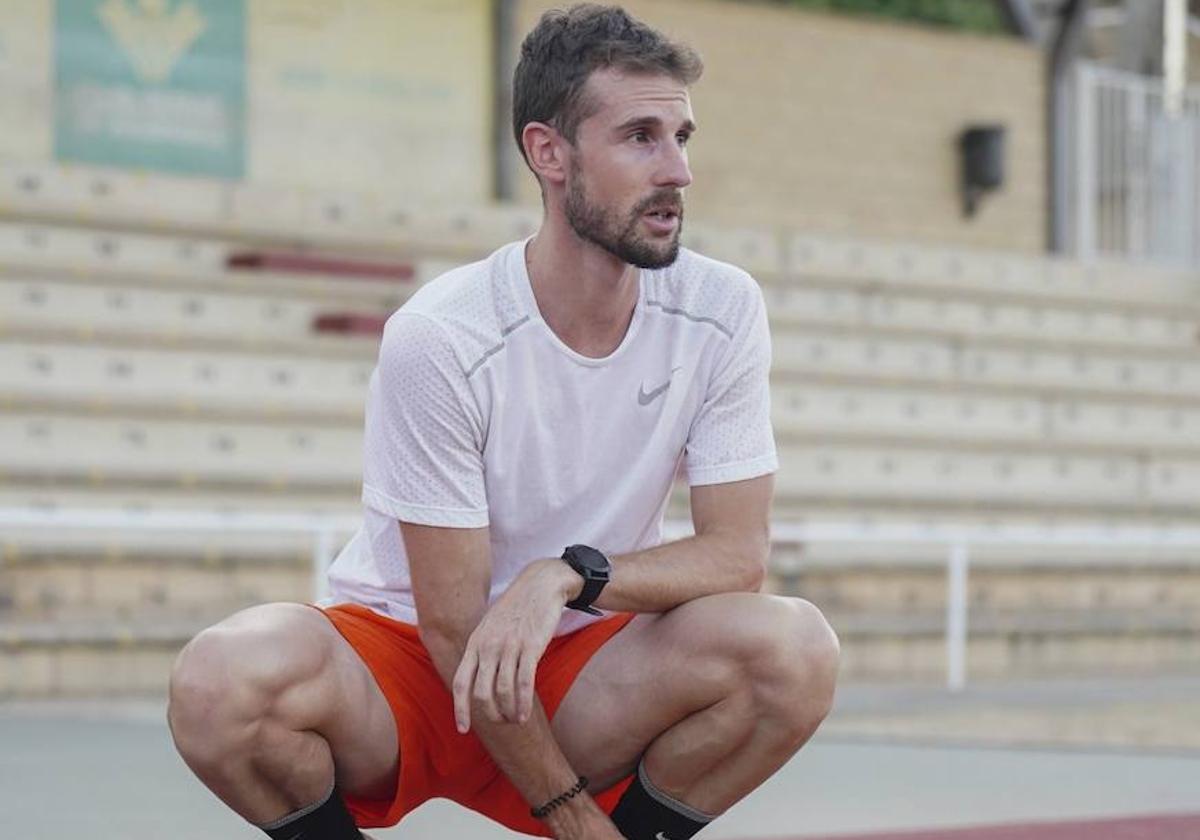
597	225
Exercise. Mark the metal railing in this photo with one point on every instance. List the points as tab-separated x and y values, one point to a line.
955	540
1136	179
323	529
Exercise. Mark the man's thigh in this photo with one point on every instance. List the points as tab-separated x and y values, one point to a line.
355	717
658	670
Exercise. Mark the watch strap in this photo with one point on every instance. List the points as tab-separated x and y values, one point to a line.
591	591
594	580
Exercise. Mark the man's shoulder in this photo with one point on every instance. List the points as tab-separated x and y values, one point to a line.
705	290
469	302
469	285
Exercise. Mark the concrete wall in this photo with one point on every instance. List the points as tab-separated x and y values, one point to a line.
838	124
388	98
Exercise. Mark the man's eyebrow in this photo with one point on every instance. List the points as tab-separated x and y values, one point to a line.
637	122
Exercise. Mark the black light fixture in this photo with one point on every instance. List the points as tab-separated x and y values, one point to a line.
982	163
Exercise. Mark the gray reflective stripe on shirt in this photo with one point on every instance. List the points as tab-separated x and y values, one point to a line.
492	351
699	319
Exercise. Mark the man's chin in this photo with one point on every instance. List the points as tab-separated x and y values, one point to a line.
663	262
647	256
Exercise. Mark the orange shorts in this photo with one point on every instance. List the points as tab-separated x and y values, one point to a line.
435	760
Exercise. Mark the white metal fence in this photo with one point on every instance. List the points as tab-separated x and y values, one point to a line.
1136	173
956	541
323	530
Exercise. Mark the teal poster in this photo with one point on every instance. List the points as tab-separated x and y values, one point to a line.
152	84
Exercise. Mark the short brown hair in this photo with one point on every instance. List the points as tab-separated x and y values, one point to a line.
568	45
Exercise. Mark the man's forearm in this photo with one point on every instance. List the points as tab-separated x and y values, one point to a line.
533	761
527	752
661	578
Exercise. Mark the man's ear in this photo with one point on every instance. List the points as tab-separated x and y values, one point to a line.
544	148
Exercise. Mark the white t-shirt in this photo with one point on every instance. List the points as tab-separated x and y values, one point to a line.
478	415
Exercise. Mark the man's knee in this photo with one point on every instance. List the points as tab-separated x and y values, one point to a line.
795	671
232	677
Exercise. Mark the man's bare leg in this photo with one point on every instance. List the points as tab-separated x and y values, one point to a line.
269	704
717	695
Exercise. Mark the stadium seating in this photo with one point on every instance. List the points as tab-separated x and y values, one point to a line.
1113	327
264	215
179	451
975	273
827	352
182	381
50	307
140	372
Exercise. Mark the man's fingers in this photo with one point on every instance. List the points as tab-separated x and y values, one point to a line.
485	684
526	672
464	678
506	675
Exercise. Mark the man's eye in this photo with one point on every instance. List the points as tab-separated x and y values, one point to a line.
683	138
640	136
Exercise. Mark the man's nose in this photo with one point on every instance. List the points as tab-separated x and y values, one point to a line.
674	170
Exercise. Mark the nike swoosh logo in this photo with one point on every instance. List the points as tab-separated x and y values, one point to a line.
646	397
661	836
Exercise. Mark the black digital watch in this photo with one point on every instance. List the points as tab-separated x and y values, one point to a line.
594	568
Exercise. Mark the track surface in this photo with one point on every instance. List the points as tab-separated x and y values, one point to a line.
110	773
1173	827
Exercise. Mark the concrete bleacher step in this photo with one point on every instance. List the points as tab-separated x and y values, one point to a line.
133	656
1019	645
184	381
911	482
206	320
120	259
824	462
156	204
183	452
873	311
974	272
270	386
827	354
188	572
363	325
52	451
28	271
189	299
315	342
41	495
77	624
92	657
1033	584
126	581
803	507
261	214
309	262
1008	480
810	410
891	503
320	503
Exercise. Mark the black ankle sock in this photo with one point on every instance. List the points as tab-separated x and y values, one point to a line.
646	813
328	819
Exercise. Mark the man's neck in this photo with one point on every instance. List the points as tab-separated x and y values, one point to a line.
585	294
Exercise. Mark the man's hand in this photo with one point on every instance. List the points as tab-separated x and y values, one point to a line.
502	654
451	573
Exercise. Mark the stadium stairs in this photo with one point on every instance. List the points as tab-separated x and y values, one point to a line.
210	351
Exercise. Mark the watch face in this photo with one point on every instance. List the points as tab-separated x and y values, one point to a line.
588	558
